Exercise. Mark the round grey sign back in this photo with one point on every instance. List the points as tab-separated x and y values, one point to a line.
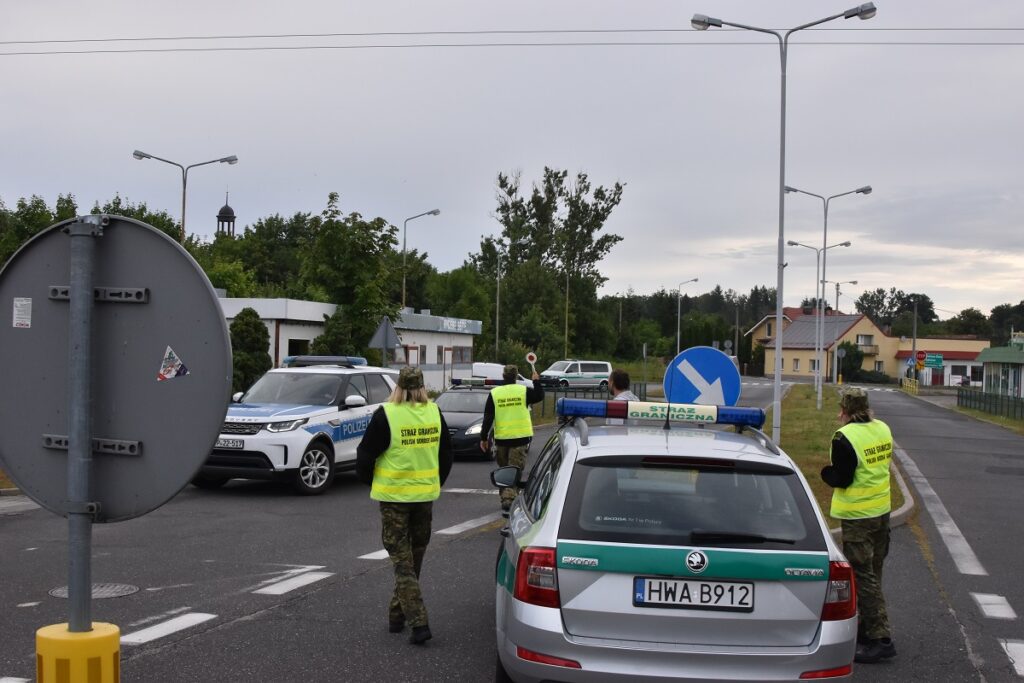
161	368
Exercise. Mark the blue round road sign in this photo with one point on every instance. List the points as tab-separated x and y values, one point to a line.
702	375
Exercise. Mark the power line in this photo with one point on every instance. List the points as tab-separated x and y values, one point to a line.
409	46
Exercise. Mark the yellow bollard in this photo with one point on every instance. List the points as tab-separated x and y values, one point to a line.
66	657
840	382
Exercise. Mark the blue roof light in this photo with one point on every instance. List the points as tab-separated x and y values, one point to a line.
656	412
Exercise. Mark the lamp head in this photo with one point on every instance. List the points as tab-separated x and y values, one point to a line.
852	282
140	155
229	160
702	22
844	244
435	212
793	244
791	189
865	190
865	11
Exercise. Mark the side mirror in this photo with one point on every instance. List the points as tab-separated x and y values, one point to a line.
236	397
506	477
354	401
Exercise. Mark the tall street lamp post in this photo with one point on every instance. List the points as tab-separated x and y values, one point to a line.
820	306
818	328
835	362
702	22
184	178
679	296
432	212
497	308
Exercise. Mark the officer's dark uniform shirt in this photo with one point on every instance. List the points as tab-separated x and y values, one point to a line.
534	394
377	439
839	475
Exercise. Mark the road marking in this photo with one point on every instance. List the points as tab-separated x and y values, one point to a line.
282	587
167	628
471	524
1015	651
486	491
964	558
378	555
994	606
162	588
30	549
15	505
25	604
10	679
295	570
158	617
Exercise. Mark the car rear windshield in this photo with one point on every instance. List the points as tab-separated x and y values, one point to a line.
462	401
297	388
648	501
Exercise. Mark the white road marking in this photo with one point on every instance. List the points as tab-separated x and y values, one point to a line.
295	569
471	524
158	617
486	491
27	604
994	606
162	588
15	505
1015	651
378	555
963	556
282	587
10	679
166	628
30	549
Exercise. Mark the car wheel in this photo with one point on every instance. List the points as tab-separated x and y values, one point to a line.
563	383
604	385
316	470
500	675
207	481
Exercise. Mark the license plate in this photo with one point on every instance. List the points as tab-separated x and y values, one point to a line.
728	596
228	443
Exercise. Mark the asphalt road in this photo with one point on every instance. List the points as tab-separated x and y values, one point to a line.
202	558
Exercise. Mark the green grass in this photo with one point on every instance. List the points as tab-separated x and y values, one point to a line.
1013	425
807	435
655	370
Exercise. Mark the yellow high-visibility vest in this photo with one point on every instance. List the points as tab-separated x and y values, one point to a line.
408	471
868	495
511	415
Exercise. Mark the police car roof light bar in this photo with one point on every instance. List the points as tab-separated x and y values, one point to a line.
659	412
306	361
477	382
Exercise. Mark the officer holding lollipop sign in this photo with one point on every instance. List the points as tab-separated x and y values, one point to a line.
507	410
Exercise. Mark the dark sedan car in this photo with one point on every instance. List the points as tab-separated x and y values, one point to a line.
463	410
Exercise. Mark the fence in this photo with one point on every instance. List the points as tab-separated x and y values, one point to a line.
552	394
908	385
993	404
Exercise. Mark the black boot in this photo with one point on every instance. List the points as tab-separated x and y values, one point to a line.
420	635
874	650
396	625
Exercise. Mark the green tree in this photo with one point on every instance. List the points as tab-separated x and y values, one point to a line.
336	339
1004	318
161	220
250	345
850	364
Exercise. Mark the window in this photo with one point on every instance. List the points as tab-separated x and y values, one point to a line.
814	365
423	354
542	478
298	347
865	339
356	387
977	373
958	370
879	366
297	388
379	389
462	354
573	369
595	368
796	365
769	330
440	354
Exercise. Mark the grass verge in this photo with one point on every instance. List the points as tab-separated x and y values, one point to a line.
1015	426
806	437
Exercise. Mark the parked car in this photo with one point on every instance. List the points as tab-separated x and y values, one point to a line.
496	371
301	424
577	374
463	410
635	552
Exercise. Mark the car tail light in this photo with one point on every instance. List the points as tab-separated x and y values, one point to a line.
841	597
531	656
536	581
827	673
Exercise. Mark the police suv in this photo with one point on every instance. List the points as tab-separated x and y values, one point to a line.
661	550
298	423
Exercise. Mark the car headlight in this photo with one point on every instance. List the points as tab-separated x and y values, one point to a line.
475	429
288	426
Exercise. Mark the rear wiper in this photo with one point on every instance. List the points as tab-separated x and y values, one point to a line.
701	535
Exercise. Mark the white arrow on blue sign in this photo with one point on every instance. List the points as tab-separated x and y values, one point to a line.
702	375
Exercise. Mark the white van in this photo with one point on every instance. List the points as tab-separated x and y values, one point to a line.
496	371
577	374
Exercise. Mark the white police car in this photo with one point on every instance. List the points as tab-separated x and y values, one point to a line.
639	553
298	423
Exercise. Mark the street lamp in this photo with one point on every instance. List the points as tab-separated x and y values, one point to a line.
818	254
835	364
497	306
432	212
702	22
820	306
184	177
679	297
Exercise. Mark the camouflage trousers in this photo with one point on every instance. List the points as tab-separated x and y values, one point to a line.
866	544
405	530
516	457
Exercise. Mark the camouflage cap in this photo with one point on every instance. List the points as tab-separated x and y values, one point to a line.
410	378
510	371
854	400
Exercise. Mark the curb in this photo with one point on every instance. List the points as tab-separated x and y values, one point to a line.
10	492
898	517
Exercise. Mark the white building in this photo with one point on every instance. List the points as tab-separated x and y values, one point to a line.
291	323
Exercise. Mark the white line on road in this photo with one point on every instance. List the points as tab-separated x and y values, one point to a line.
27	604
16	504
1015	651
158	617
471	524
964	558
487	491
167	628
10	679
994	606
378	555
282	587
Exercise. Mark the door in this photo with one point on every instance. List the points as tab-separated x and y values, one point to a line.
352	421
446	366
572	374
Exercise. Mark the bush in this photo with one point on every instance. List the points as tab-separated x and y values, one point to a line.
873	377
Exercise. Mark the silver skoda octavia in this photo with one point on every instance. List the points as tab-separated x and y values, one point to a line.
689	554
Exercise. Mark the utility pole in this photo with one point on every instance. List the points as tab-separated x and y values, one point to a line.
497	309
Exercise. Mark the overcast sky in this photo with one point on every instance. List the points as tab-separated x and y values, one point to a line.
692	129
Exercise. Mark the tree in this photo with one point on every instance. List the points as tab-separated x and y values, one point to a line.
161	220
336	339
250	344
850	364
970	321
1006	317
